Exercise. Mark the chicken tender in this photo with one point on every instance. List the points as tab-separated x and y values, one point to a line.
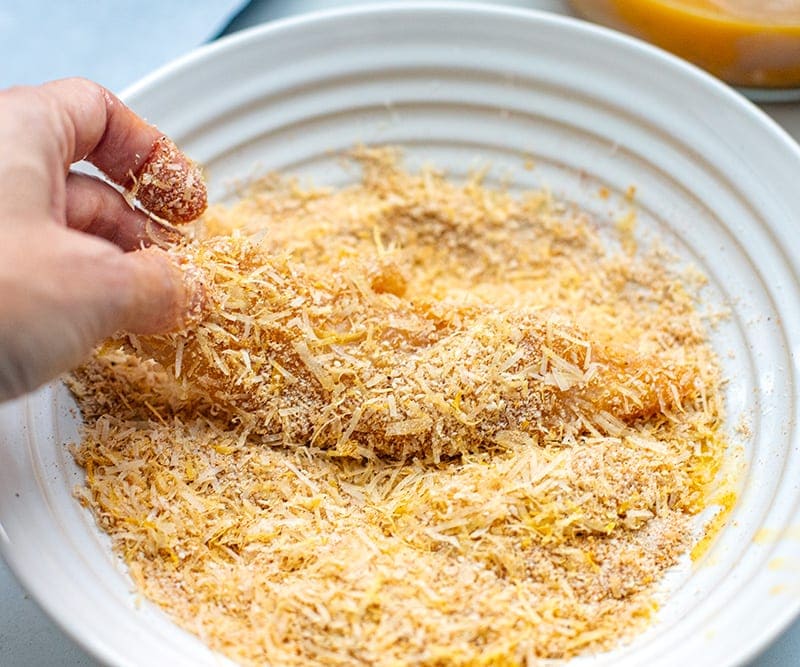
337	362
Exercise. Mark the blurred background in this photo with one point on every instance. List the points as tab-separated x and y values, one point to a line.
752	44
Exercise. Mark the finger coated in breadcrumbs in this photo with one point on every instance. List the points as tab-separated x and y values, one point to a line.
170	185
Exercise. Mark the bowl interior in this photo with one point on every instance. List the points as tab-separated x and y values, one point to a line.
462	88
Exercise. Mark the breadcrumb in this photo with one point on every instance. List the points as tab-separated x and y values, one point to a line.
418	422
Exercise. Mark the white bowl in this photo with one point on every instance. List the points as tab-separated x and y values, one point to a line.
460	86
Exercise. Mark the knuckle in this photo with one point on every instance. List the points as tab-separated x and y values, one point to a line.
25	99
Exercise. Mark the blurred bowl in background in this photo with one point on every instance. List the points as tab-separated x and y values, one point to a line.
751	44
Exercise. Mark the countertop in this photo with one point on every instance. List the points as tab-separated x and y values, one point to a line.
27	636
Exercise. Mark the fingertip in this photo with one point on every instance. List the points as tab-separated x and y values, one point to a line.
166	294
170	185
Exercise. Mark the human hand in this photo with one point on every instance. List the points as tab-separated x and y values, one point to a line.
71	272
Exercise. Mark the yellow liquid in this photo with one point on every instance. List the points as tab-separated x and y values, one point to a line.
745	42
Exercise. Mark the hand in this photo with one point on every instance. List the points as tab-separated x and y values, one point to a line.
71	271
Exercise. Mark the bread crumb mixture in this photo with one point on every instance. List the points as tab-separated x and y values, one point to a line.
419	422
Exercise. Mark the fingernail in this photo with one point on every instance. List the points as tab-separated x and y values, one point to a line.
194	286
161	234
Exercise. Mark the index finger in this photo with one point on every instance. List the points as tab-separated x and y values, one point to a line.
74	119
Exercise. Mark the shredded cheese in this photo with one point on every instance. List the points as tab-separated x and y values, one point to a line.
419	423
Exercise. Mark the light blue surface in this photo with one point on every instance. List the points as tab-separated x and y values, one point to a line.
116	42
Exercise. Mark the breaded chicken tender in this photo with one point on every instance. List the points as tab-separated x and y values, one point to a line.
340	362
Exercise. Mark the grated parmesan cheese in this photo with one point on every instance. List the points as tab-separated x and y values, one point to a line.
419	423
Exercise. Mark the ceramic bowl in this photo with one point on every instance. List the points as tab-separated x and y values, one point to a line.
466	86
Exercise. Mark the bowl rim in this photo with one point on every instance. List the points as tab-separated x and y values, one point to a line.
93	642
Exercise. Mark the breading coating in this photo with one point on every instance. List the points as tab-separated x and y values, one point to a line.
413	422
324	359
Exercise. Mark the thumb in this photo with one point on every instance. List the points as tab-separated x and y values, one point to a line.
159	293
62	297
